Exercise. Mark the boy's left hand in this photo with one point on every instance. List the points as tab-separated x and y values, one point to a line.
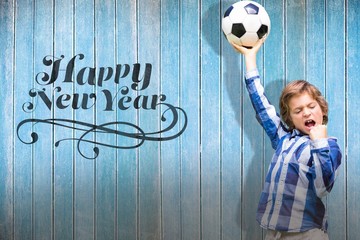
250	54
318	131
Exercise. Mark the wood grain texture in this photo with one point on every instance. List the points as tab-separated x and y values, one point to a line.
203	184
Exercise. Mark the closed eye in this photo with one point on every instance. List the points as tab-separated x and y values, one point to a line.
297	111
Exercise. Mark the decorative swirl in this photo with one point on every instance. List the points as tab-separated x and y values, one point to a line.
108	128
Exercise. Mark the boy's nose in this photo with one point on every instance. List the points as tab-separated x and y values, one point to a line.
306	112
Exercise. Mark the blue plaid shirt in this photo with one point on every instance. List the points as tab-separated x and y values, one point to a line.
301	172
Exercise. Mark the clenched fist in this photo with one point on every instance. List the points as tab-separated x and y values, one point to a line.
318	131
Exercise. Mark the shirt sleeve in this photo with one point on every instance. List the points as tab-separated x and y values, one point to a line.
265	112
326	156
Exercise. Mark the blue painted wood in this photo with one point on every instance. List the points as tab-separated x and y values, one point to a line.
190	101
210	121
252	160
315	44
170	150
201	185
64	159
231	118
7	118
149	121
105	211
127	161
295	39
336	97
43	158
84	169
352	148
23	82
252	165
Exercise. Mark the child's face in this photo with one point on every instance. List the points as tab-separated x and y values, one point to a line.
305	112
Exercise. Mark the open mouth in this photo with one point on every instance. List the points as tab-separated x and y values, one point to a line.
310	123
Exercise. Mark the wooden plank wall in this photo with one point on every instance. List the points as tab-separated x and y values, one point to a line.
204	183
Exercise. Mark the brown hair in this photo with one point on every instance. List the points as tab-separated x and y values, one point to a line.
299	87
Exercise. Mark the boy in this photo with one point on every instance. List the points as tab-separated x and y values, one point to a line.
305	163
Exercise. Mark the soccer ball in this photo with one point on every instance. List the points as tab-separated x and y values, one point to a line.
245	22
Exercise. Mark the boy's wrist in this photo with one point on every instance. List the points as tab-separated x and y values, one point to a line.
250	62
320	143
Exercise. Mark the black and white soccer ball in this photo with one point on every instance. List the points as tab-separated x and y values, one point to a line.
245	22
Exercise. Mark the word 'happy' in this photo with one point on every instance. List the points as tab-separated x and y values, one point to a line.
116	97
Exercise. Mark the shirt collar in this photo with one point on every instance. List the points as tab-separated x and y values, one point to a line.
295	133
